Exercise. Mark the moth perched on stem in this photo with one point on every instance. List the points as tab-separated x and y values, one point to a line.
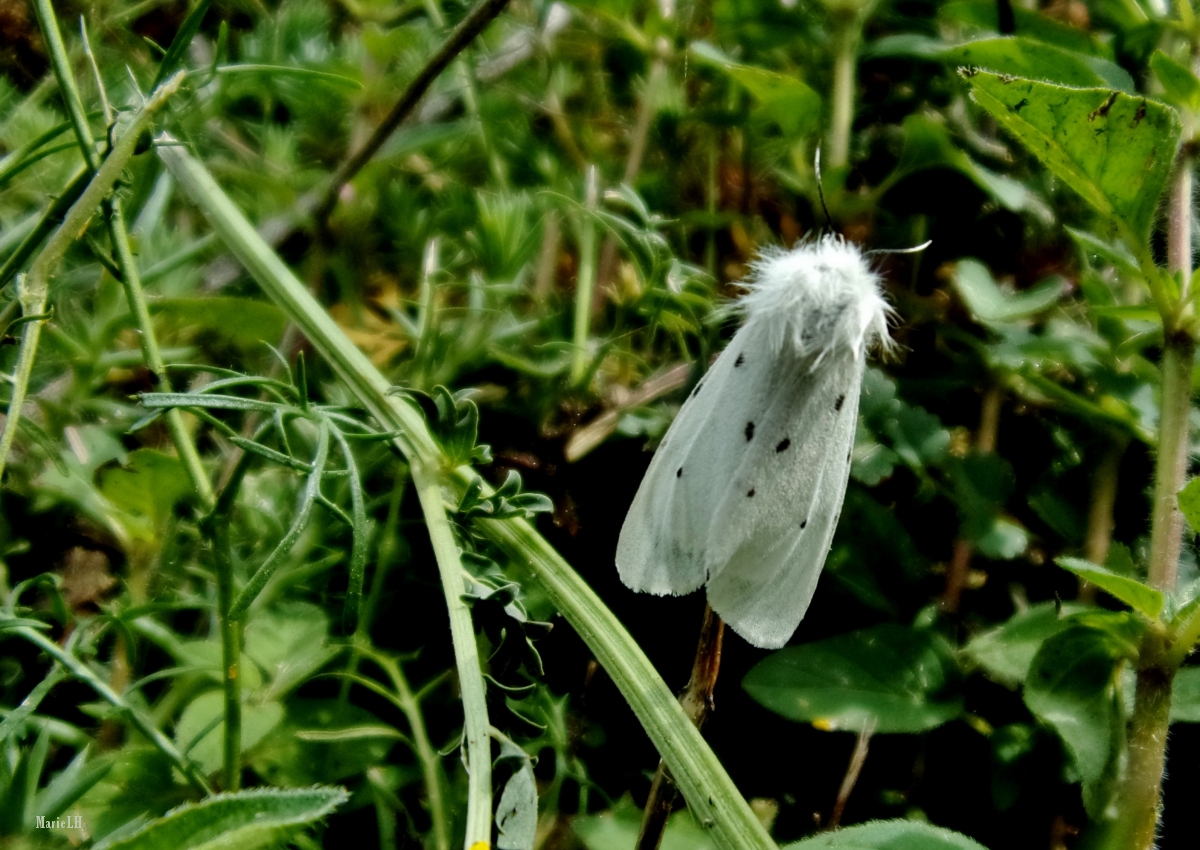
744	493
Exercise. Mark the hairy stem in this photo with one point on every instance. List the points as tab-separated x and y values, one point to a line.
466	656
697	702
1134	824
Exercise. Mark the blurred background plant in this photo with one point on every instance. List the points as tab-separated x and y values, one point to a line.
219	571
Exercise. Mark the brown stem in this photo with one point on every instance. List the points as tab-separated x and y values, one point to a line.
697	701
985	443
469	27
1100	512
857	759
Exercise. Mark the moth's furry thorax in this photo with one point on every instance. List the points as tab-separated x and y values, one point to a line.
817	297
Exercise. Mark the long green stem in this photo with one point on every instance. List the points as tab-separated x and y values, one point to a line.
708	789
231	778
430	765
466	656
845	67
119	236
585	279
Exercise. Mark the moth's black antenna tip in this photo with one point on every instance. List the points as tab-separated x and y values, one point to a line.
821	188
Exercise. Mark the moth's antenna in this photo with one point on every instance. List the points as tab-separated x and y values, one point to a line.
821	188
914	250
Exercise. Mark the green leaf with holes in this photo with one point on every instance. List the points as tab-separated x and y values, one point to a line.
1116	150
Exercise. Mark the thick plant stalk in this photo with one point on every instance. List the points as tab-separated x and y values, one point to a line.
1134	825
36	285
466	658
845	68
708	789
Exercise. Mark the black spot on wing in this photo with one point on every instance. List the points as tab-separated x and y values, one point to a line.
679	472
749	431
837	405
750	493
804	522
782	445
741	358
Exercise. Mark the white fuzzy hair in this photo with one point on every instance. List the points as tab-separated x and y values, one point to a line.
816	297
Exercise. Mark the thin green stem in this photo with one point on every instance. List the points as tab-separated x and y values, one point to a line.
585	279
430	763
66	80
119	236
466	657
708	789
36	285
231	776
1166	529
82	672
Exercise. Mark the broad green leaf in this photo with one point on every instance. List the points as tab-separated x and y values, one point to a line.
1132	592
1180	84
290	642
1013	55
1006	651
989	305
200	732
147	488
1185	696
898	678
1072	686
1189	503
782	98
889	835
243	820
1116	150
618	829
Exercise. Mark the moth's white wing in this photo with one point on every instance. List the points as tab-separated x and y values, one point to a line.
774	522
661	549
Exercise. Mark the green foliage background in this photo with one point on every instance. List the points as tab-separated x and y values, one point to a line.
985	596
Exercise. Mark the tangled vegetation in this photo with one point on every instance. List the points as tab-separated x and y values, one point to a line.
338	335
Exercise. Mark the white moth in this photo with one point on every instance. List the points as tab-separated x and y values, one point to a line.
745	491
